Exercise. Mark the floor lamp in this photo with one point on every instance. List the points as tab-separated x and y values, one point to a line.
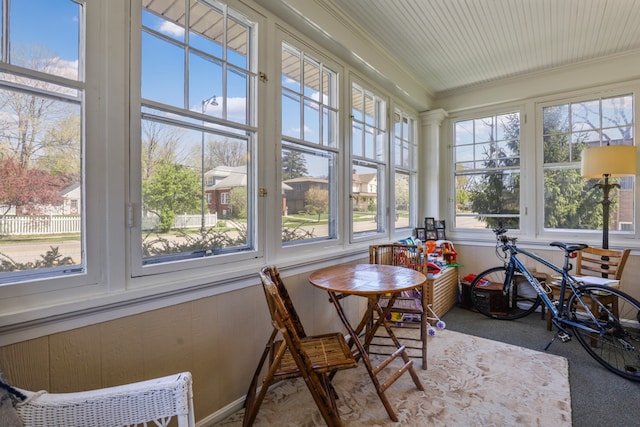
608	161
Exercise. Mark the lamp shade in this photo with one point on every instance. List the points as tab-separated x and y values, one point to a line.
612	160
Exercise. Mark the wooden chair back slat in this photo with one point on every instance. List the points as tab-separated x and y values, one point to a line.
608	262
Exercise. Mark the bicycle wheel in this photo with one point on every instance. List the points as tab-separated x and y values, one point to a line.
617	348
487	295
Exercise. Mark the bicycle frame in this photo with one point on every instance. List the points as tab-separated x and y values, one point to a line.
514	264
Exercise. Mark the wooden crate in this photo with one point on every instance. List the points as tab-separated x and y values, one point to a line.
441	291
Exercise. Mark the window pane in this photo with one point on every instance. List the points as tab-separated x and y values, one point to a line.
237	97
205	77
196	176
569	202
182	169
45	36
311	121
357	138
572	202
402	191
157	54
309	170
237	43
291	120
309	199
405	175
290	69
41	143
357	104
487	174
367	180
41	194
311	79
329	127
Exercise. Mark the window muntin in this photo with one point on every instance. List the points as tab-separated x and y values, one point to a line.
369	151
197	132
487	171
405	172
570	201
42	218
309	148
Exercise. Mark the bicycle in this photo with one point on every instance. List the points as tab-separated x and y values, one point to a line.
609	330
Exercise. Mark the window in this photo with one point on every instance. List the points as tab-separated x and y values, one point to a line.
42	219
369	151
405	160
309	148
571	202
197	132
487	171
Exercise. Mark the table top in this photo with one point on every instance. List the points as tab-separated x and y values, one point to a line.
366	279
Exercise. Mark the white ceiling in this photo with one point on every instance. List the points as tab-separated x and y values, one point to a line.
451	44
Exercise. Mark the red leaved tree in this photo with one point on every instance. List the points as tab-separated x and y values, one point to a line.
27	190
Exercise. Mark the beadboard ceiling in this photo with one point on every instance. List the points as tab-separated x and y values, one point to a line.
450	44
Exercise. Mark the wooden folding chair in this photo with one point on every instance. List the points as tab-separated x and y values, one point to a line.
297	355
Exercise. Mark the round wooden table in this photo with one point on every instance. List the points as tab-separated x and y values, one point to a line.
371	281
366	279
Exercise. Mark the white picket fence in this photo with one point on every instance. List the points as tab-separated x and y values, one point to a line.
55	224
46	224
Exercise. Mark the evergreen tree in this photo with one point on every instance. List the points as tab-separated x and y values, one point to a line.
497	191
568	203
294	165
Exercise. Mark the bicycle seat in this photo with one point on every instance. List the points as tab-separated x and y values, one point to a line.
569	247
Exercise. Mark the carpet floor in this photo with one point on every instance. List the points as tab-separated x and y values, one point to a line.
470	381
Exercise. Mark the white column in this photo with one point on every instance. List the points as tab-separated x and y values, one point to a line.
429	164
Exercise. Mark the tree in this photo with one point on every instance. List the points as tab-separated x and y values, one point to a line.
159	145
567	202
28	189
316	200
294	165
173	189
33	117
61	152
238	202
225	153
497	191
401	192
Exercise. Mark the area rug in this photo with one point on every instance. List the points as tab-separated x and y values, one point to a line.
470	381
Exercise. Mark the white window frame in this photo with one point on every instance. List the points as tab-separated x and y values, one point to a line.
410	169
474	115
592	236
328	136
381	160
230	260
37	296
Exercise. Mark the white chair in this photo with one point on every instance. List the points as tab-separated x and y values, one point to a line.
153	402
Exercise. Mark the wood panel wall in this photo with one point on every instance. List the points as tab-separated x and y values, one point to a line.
218	339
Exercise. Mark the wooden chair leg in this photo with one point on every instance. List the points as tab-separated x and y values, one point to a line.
424	334
252	403
319	389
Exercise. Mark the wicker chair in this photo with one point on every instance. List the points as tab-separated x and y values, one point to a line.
314	358
152	402
412	257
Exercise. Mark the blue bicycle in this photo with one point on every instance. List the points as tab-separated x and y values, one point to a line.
604	320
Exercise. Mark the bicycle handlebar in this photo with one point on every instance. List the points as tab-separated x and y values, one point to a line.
501	236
